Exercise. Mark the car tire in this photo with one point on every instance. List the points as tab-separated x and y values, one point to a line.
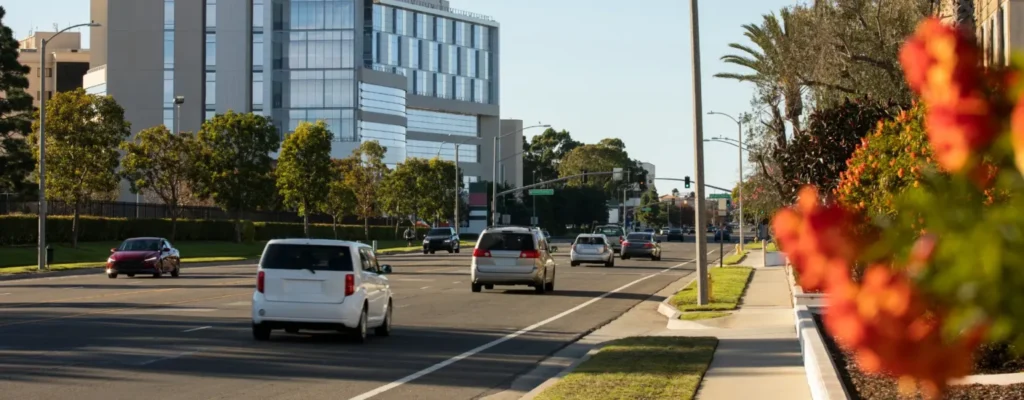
112	276
624	258
573	263
550	286
543	286
610	263
130	275
177	271
451	250
359	334
476	287
158	274
292	330
425	252
260	332
457	250
432	252
384	329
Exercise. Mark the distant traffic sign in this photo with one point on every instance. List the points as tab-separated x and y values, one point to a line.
645	209
720	196
542	192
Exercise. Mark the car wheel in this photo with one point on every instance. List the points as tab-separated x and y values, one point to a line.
624	258
432	252
292	330
451	250
457	250
385	328
159	273
476	287
573	263
177	271
542	287
550	286
360	333
112	275
260	332
425	252
130	275
610	263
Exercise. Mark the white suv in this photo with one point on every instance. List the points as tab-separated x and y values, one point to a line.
321	285
513	256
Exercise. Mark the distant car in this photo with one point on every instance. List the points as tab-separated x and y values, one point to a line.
641	245
513	256
691	230
441	239
723	235
649	230
144	255
615	235
591	249
321	285
675	234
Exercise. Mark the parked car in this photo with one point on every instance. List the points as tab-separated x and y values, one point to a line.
321	285
723	235
591	249
144	255
441	239
513	256
691	230
641	245
675	234
547	235
612	232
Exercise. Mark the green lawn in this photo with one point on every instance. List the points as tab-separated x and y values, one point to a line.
757	246
734	258
648	368
15	260
727	287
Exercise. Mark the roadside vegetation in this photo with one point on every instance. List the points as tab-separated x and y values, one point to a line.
727	288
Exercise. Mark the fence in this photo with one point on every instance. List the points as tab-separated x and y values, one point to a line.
131	210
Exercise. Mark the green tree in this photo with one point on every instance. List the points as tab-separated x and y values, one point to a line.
399	194
650	212
443	197
596	158
234	167
83	135
341	199
15	116
365	174
544	152
159	162
304	169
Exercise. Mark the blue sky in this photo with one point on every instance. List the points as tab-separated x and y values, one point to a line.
597	68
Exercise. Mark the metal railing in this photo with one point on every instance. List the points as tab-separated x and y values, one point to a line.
444	7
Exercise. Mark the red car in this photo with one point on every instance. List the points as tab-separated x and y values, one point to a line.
146	255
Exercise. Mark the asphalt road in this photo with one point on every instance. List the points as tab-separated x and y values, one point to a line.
89	337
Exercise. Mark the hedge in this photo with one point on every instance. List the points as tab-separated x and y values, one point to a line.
23	230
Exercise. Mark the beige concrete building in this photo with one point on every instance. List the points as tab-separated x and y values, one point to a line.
66	62
1000	28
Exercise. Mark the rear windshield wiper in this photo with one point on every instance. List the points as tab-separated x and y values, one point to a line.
310	270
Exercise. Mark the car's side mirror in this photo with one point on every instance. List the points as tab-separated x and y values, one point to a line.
167	250
385	269
113	250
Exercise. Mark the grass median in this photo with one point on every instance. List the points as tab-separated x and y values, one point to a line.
735	258
757	246
18	260
652	368
727	287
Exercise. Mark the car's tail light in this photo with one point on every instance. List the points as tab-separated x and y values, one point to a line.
350	284
621	239
260	277
573	248
481	253
625	243
529	254
648	245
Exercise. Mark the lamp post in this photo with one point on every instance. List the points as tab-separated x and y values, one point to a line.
739	132
178	101
494	172
728	141
42	141
698	159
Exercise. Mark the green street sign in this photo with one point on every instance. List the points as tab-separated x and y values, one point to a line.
720	196
542	192
646	209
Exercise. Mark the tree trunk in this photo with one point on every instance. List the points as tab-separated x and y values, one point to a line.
74	228
366	228
334	226
305	219
398	221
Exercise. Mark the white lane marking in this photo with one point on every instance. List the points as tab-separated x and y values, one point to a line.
4	294
166	358
238	303
412	280
456	282
425	288
197	329
506	338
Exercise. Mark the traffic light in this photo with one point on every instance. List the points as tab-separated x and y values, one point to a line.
686	182
642	184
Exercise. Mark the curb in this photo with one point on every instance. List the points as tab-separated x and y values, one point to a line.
822	374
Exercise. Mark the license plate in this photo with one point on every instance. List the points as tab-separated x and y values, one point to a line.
302	286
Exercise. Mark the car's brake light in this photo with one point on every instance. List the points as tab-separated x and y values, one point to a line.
625	243
529	254
573	248
622	239
481	253
259	281
350	284
648	246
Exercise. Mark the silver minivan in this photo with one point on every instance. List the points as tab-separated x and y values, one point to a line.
513	256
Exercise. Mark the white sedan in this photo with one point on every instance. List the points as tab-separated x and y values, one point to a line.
321	285
592	249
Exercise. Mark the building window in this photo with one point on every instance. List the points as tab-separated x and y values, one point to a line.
257	51
49	72
168	88
211	14
414	53
340	122
423	26
460	33
440	29
378	17
257	90
393	50
392	137
422	81
211	89
169	119
485	65
441	85
168	14
211	49
460	88
471	63
478	91
400	21
169	49
381	99
468	153
442	123
453	60
321	50
1001	29
479	37
320	15
314	89
257	15
434	56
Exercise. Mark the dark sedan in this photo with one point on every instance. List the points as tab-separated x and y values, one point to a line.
147	255
675	234
441	239
641	245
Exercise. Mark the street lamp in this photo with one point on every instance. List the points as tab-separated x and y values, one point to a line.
458	194
731	142
42	140
739	200
698	156
178	101
494	172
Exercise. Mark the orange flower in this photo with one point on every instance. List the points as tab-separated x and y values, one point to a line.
959	129
1017	127
819	239
984	175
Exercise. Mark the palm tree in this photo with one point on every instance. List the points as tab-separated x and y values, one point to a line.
770	63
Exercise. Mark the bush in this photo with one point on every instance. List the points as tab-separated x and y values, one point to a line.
23	230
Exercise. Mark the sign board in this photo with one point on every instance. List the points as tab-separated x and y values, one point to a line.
720	196
506	219
617	174
645	209
723	207
533	221
542	192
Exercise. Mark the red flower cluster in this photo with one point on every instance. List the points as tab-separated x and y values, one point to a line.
941	64
819	240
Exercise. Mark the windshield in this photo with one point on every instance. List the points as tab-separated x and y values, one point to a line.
439	232
609	230
506	241
140	245
590	240
638	237
300	256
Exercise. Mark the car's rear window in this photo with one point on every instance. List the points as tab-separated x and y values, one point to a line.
610	231
497	241
300	256
638	236
140	245
675	230
439	232
590	240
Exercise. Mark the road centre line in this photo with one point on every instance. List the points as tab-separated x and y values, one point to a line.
508	337
197	329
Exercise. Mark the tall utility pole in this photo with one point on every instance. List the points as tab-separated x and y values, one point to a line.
698	159
458	193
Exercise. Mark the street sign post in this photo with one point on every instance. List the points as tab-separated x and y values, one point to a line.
720	196
533	221
645	209
542	192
